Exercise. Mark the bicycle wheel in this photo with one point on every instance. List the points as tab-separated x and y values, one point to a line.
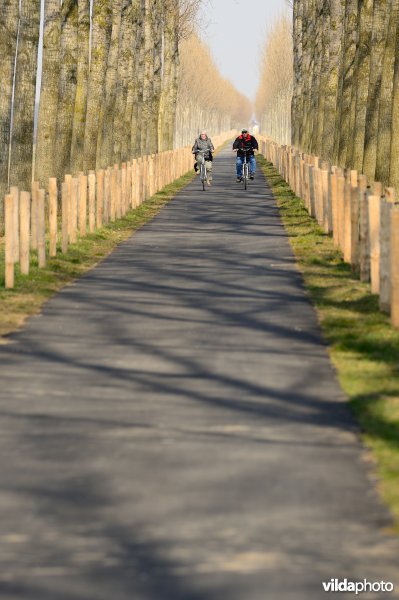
203	178
245	173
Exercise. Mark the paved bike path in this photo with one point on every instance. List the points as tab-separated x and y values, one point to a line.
171	427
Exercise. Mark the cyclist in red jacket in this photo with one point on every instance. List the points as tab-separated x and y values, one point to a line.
247	142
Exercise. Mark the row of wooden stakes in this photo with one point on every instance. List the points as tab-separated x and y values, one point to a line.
362	218
48	221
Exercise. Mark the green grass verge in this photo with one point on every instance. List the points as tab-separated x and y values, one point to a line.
32	290
363	345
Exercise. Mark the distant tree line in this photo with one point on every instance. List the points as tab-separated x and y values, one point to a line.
205	99
109	86
274	95
346	84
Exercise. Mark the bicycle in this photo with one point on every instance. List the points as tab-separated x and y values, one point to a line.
245	170
203	171
245	175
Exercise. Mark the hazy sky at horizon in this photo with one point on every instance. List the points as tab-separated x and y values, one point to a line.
224	21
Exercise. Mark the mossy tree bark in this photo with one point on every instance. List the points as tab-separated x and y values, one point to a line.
79	117
135	25
147	83
24	95
45	160
331	84
394	150
349	50
167	109
324	68
8	44
296	105
106	138
309	25
379	35
316	73
157	22
137	91
120	126
67	86
386	98
100	43
362	81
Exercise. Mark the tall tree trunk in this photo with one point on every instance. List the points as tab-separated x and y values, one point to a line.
134	25
67	85
362	81
317	72
331	88
101	38
324	20
350	41
8	44
386	104
167	106
79	117
301	112
106	129
379	35
394	150
309	22
137	100
45	159
296	36
24	96
126	46
156	79
148	72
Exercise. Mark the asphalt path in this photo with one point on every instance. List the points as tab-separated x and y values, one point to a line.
171	427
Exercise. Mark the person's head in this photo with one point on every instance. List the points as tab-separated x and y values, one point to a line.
203	135
244	131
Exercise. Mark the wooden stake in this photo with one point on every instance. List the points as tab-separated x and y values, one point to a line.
41	230
73	211
33	215
113	195
14	191
65	189
385	255
83	204
395	266
92	202
24	227
364	239
123	189
100	198
53	211
68	180
347	223
354	253
9	240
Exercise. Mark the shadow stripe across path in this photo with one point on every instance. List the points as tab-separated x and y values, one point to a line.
171	427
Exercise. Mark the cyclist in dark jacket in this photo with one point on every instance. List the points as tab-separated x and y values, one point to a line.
247	142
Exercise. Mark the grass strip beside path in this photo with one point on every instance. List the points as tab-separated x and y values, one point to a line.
363	345
32	290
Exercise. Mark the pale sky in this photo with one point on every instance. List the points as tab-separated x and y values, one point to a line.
235	31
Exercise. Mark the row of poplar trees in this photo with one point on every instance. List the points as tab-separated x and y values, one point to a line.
346	84
110	85
206	100
274	94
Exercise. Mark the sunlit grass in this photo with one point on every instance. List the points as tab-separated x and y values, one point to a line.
363	345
